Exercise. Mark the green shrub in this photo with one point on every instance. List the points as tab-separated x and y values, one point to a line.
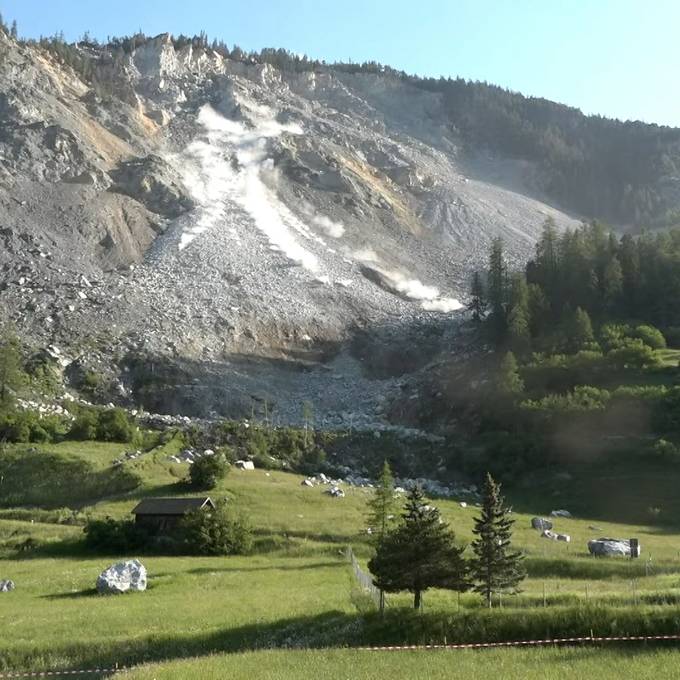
114	425
114	536
651	336
633	354
84	427
21	427
216	532
207	471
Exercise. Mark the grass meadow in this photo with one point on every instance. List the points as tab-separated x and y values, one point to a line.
292	609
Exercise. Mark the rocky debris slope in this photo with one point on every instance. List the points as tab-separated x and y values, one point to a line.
235	227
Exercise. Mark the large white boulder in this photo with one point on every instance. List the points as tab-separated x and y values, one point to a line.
606	547
6	586
122	577
244	465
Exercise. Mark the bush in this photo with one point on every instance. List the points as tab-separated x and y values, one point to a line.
207	471
651	336
114	425
114	536
84	427
216	532
21	427
633	354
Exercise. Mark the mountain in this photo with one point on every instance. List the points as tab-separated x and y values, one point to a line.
214	232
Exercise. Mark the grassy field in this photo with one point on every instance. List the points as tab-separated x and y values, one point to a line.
509	664
217	617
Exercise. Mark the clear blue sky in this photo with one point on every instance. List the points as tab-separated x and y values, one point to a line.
618	58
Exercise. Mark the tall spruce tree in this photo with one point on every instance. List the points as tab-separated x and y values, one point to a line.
508	380
11	372
420	553
382	510
496	568
478	298
383	505
497	290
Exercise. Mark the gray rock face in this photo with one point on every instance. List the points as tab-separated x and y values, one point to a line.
276	211
6	586
152	182
122	577
541	524
606	547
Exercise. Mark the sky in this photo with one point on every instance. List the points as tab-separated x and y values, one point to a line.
616	58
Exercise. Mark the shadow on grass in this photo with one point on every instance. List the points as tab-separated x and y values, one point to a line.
593	568
338	629
274	567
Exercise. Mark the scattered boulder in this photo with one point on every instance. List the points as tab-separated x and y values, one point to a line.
606	547
6	586
244	465
541	524
554	536
122	577
307	482
336	492
561	513
564	538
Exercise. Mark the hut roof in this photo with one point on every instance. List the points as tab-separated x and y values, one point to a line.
171	506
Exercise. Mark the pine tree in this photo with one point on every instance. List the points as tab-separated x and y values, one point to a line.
497	290
496	568
382	510
11	373
579	331
612	284
14	31
383	505
508	380
519	335
420	553
478	302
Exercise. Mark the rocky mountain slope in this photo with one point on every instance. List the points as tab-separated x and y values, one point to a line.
228	235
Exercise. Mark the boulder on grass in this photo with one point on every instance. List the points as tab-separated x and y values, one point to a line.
6	586
560	513
122	577
541	524
606	547
244	465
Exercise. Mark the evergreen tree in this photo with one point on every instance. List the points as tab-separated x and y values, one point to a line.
519	334
420	553
508	380
14	31
11	371
496	568
612	284
579	331
478	302
382	510
497	290
383	505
